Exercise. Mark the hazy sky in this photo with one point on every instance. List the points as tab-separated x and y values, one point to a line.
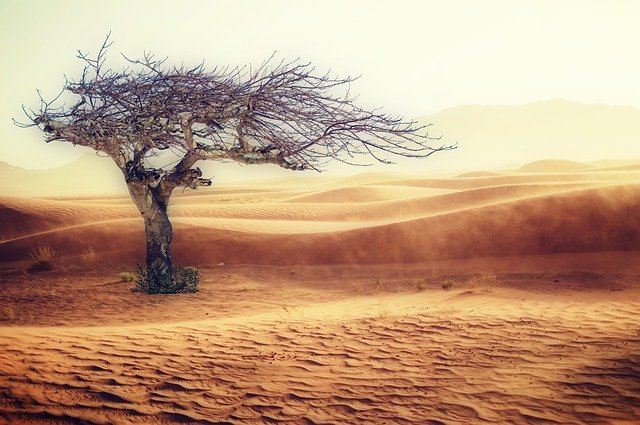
414	57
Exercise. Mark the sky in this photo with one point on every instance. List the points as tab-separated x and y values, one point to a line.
414	58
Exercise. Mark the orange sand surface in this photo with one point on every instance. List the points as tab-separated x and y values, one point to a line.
507	297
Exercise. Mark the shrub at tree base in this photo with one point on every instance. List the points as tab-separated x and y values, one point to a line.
128	276
160	281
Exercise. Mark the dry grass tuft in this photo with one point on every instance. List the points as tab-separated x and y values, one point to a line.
42	257
479	281
6	238
447	284
234	278
367	288
358	287
419	283
89	256
42	253
290	313
7	313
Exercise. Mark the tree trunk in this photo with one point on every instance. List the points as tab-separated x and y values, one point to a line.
158	231
153	208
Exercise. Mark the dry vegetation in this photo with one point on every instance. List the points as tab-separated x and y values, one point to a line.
419	283
42	257
89	256
127	276
8	313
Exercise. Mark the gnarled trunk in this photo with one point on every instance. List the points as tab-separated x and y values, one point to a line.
152	204
158	231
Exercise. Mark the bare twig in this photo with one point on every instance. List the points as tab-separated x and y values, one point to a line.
281	112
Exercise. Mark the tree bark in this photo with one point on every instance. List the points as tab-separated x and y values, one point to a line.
152	204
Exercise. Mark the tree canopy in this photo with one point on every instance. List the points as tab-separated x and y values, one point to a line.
280	112
283	113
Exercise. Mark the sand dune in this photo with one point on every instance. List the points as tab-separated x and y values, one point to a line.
323	302
476	174
518	219
628	167
519	227
358	194
615	162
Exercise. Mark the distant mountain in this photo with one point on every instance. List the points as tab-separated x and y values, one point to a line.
491	137
8	168
555	166
616	162
87	175
94	175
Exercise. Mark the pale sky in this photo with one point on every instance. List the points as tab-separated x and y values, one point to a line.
414	57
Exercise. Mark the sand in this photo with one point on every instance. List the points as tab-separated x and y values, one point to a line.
325	302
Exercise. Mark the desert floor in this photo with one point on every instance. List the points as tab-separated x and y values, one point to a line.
488	297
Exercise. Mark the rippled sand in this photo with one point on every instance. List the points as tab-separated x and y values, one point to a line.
324	303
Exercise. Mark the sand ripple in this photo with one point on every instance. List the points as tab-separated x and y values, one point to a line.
441	367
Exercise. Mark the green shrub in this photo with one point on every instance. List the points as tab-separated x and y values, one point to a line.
127	276
159	281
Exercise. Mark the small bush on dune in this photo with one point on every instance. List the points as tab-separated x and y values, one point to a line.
8	313
368	288
181	280
42	253
447	284
419	283
234	278
477	281
42	257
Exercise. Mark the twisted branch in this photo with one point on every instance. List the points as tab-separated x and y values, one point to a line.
280	113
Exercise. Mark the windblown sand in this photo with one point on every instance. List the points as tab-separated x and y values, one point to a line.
322	301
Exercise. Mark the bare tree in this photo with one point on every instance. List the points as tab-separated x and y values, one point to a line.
281	113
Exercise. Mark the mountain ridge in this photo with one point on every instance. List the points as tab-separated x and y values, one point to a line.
490	138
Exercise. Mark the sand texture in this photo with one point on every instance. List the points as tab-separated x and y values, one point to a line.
502	297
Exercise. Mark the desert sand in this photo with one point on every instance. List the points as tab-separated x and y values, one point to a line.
487	297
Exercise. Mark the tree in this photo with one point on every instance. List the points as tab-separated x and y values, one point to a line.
281	113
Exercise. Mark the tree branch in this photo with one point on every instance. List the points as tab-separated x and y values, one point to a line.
281	113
